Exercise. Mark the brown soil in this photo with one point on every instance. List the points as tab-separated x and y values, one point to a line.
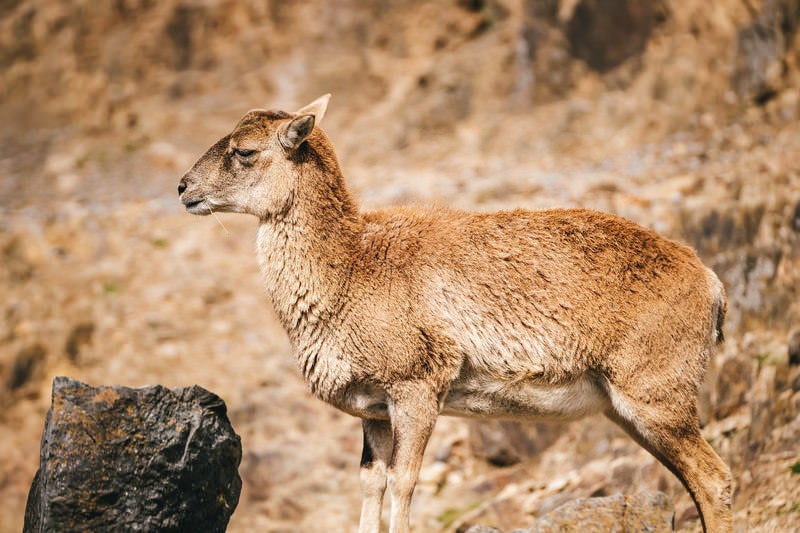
682	116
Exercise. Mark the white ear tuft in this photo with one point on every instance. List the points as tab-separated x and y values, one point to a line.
316	108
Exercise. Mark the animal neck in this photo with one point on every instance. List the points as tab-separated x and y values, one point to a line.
307	254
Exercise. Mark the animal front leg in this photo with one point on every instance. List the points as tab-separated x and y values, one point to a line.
375	458
413	411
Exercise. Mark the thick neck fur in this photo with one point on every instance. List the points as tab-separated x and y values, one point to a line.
306	254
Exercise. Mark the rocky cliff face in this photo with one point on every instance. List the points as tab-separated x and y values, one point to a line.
680	115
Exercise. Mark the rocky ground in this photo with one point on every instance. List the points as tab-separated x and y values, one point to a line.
686	122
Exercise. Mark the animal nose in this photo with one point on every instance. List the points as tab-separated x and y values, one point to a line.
181	187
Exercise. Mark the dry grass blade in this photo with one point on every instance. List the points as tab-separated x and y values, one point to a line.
219	221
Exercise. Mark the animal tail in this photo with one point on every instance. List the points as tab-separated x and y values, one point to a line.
721	304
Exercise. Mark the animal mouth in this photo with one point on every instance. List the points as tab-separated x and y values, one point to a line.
197	207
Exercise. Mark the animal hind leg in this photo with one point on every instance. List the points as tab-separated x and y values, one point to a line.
679	445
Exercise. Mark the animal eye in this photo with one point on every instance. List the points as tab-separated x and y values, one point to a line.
243	153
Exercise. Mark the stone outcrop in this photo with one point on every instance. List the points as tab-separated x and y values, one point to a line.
620	514
684	118
122	459
604	33
647	511
505	442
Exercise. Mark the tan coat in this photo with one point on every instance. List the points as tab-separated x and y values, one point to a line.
402	314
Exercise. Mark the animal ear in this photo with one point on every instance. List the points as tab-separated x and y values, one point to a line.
295	132
292	134
316	108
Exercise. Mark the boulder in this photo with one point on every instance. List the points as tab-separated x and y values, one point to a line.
793	346
504	443
123	459
604	33
647	511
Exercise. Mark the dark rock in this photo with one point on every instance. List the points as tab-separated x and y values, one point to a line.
28	364
761	49
122	459
783	376
504	443
794	348
757	293
641	512
179	31
721	228
80	336
795	223
604	33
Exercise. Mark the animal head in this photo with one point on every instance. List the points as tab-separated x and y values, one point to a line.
250	170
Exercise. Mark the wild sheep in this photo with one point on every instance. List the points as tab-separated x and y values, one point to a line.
400	315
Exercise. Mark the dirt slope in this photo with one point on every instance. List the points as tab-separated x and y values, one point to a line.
682	116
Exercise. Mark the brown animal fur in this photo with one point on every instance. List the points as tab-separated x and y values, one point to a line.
402	314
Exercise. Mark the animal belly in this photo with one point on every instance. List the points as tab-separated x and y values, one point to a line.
525	400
